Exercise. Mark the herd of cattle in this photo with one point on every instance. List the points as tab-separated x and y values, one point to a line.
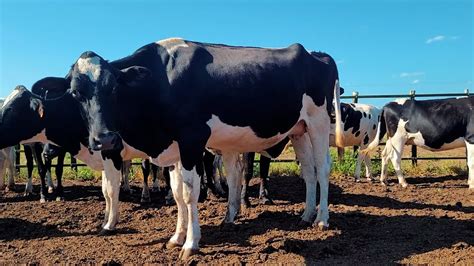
173	102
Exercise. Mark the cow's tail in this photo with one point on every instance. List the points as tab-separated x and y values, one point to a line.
339	134
381	130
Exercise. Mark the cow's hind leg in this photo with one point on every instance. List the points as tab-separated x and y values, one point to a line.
29	166
470	164
244	196
234	167
304	154
368	169
264	169
358	166
145	190
318	129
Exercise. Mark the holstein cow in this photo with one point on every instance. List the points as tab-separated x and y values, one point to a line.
28	117
361	123
197	95
434	125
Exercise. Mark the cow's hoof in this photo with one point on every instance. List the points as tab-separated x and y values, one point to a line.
172	245
185	254
304	224
404	185
357	180
107	232
50	190
42	200
266	201
59	198
145	200
321	226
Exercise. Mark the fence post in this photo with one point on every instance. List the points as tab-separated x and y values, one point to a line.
17	159
73	164
414	160
355	96
466	91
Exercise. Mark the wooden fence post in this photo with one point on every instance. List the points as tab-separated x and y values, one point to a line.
355	94
414	160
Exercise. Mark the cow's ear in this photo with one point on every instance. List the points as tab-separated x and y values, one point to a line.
52	84
134	75
37	106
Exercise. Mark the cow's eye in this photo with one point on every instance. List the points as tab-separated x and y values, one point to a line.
76	94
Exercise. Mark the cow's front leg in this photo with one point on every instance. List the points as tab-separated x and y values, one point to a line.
304	154
191	190
111	182
470	164
176	182
234	167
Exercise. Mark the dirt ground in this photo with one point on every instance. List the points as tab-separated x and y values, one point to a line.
432	221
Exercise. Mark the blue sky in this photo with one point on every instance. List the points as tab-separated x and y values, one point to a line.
381	47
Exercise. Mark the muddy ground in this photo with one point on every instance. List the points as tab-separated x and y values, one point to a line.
432	221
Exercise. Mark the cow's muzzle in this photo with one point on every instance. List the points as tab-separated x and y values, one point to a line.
106	142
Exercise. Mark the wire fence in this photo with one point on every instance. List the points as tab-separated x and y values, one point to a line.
355	97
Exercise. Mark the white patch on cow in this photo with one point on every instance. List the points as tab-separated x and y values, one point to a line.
93	160
128	152
237	139
89	66
401	101
40	137
168	157
10	97
172	44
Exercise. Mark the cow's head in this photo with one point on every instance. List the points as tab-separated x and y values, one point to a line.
21	117
95	84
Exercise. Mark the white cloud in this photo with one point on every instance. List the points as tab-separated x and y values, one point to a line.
416	81
436	39
411	74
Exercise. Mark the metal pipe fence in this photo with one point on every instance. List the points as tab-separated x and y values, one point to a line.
355	97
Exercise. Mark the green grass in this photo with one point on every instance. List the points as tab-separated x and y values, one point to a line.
342	168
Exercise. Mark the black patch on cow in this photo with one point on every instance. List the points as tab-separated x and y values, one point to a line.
357	133
439	121
350	117
243	86
366	139
114	156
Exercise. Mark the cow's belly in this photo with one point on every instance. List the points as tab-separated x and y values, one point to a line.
418	140
168	157
225	137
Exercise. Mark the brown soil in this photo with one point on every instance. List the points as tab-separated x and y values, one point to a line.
432	221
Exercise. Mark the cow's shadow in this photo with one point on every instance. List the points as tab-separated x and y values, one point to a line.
19	229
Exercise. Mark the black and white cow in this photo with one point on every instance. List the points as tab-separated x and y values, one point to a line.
27	117
361	123
434	125
230	99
